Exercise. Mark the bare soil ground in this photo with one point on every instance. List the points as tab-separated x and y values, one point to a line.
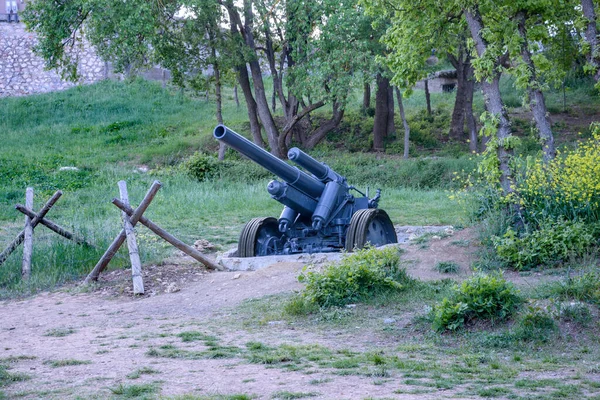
96	343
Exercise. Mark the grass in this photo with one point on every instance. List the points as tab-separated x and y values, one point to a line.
284	395
66	363
447	267
134	391
60	332
142	371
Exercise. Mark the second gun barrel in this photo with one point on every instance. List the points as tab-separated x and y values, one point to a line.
293	176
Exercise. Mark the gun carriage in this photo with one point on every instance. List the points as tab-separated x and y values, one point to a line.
319	214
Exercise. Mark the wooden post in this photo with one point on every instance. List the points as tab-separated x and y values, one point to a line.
19	239
52	226
134	254
28	238
190	251
114	247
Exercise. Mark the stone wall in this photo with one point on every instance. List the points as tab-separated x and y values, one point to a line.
22	72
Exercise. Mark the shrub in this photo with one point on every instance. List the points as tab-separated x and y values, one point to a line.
358	276
569	186
483	296
554	241
201	166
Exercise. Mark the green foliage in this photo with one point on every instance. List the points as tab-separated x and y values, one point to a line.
569	186
201	166
576	312
554	241
133	391
357	277
584	287
533	325
66	363
447	267
6	377
482	297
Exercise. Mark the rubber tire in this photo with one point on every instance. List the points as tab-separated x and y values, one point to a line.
360	232
247	244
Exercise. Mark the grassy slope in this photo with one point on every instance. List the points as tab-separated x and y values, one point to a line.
108	131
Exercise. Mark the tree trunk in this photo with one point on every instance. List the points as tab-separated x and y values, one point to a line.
458	114
427	97
366	96
244	81
235	96
591	35
381	112
494	104
536	97
217	75
320	133
264	113
404	122
471	123
391	125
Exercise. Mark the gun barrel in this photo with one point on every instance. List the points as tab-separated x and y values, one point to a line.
293	176
321	171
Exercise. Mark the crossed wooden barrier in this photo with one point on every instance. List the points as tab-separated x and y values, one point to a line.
130	218
33	219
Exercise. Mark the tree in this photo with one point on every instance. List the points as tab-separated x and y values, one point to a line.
591	37
416	29
317	50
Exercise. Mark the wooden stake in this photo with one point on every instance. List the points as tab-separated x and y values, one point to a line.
28	238
19	239
114	247
52	226
190	251
134	254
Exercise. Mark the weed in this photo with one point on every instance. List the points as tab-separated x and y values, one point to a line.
447	267
480	297
7	377
66	363
578	313
60	332
584	287
362	274
192	336
142	371
319	381
554	241
134	391
292	395
495	391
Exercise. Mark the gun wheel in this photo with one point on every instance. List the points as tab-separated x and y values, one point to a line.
371	225
260	237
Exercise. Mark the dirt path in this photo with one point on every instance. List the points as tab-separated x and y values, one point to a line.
104	340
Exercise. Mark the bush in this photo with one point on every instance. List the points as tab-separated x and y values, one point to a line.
555	241
569	186
201	166
484	296
358	276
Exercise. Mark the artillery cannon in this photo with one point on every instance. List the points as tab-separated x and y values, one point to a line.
319	214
